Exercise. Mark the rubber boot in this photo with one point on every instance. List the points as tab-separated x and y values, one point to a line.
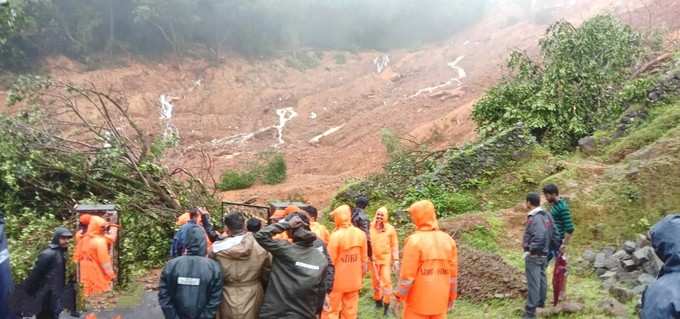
386	309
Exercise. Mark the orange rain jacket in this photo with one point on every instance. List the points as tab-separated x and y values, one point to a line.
429	267
348	250
320	231
384	242
96	269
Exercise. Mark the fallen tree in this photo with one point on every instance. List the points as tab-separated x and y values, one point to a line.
67	143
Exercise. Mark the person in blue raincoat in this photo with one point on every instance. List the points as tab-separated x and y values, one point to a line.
661	300
6	283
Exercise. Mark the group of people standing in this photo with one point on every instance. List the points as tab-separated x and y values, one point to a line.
296	268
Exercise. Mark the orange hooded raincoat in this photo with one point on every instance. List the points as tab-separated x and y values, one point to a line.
348	250
96	268
385	244
429	270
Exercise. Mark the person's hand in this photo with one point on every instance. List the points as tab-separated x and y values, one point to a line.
203	211
563	249
327	303
295	222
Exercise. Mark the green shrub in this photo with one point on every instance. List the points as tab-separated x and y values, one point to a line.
233	180
340	58
446	203
274	171
575	86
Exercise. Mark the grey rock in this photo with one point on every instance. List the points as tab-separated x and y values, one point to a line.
639	289
621	255
589	256
608	251
645	279
629	278
643	241
612	263
608	274
630	246
608	283
622	294
643	255
629	265
613	308
653	266
600	271
587	145
600	258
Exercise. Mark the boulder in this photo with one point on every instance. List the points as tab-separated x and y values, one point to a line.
599	260
653	266
639	289
608	274
608	283
621	255
629	264
629	278
587	145
600	271
612	263
622	294
608	251
642	255
613	308
630	246
589	256
643	241
645	279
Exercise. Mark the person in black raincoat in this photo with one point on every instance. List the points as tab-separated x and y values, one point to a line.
45	284
661	300
191	285
360	220
6	282
302	274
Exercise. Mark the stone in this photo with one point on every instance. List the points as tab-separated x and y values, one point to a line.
613	308
570	307
645	279
600	271
653	266
620	255
589	256
608	274
639	289
612	263
643	255
608	283
630	246
608	251
643	241
622	294
629	278
599	260
587	145
629	265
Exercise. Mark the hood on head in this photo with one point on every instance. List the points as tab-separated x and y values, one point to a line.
291	209
278	214
85	219
238	247
666	242
194	241
96	226
60	232
385	213
423	215
342	216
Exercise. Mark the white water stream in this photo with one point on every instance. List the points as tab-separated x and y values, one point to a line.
166	115
457	79
284	115
330	131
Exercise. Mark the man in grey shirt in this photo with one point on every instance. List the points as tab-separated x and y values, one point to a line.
536	244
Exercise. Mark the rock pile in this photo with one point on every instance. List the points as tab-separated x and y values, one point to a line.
625	272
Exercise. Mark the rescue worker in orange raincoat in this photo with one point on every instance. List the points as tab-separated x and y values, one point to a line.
278	215
318	229
385	255
348	250
111	235
428	280
96	268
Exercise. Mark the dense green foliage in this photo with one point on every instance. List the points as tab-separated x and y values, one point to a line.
577	84
85	29
43	174
270	168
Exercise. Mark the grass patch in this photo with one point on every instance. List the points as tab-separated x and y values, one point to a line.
663	120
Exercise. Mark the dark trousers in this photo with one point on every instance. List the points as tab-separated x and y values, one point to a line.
537	283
